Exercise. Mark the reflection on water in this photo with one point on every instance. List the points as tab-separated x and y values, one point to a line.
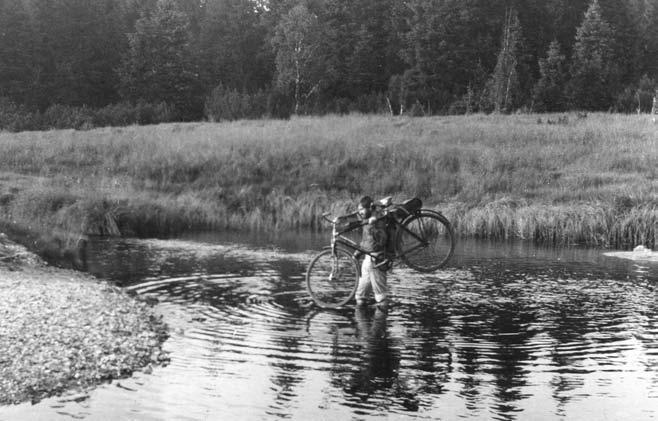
508	332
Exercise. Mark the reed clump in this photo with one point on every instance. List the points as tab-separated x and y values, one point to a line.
589	181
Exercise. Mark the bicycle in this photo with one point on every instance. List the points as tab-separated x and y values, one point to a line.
423	240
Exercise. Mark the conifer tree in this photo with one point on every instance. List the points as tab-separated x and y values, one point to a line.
549	91
594	73
564	17
159	65
647	23
445	45
625	42
504	90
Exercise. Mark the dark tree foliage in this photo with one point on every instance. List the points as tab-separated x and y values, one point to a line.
504	90
645	20
299	55
625	39
548	93
160	65
445	45
374	54
594	68
75	50
537	34
15	46
231	46
317	56
563	18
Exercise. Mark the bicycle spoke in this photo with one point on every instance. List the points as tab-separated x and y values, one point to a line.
331	278
425	242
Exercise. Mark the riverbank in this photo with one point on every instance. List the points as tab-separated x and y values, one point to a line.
62	330
567	179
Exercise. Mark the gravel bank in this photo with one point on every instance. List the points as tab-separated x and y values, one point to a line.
63	330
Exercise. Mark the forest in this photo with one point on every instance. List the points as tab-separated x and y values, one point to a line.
88	63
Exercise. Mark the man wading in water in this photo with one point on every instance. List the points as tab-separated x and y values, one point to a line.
374	239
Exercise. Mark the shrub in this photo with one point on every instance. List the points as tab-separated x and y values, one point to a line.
60	116
460	106
279	105
417	110
645	93
229	104
374	103
149	113
15	118
125	113
121	114
222	104
626	101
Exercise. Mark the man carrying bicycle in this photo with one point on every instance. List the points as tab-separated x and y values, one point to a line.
420	238
373	241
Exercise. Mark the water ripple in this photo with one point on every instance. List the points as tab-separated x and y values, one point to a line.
499	338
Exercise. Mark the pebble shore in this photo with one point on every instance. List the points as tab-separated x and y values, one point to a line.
62	330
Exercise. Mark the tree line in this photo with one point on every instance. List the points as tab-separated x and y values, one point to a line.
114	61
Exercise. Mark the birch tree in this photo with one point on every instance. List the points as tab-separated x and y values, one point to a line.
297	60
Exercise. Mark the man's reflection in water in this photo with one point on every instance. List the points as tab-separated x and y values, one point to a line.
380	361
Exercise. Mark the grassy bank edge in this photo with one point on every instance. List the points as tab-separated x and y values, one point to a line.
58	233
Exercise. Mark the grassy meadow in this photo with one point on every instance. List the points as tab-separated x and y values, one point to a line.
558	179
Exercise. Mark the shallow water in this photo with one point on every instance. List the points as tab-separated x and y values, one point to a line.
508	331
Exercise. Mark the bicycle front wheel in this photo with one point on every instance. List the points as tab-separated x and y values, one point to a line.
332	278
425	241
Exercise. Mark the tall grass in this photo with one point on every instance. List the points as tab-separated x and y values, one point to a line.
589	180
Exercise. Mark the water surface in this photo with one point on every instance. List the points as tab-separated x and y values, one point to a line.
508	331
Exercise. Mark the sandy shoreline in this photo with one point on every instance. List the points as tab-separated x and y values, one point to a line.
63	330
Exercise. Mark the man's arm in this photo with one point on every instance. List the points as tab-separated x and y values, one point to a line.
349	221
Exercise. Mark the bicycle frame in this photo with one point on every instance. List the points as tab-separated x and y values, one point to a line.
338	236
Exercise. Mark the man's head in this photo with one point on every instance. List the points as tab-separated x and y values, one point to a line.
365	207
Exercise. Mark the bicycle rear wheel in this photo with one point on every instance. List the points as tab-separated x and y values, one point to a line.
425	241
332	278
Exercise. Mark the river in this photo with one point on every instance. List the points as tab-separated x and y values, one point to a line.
507	331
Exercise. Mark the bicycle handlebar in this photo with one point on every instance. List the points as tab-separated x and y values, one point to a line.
325	216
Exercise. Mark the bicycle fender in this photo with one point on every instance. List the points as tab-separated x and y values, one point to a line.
438	214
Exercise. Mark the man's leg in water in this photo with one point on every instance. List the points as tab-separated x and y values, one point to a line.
364	287
371	279
378	282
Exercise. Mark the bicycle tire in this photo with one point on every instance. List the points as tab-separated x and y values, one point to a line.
430	246
331	279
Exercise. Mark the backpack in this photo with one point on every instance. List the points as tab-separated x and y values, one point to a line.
407	208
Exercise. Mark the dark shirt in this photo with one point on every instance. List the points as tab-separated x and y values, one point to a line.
374	236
